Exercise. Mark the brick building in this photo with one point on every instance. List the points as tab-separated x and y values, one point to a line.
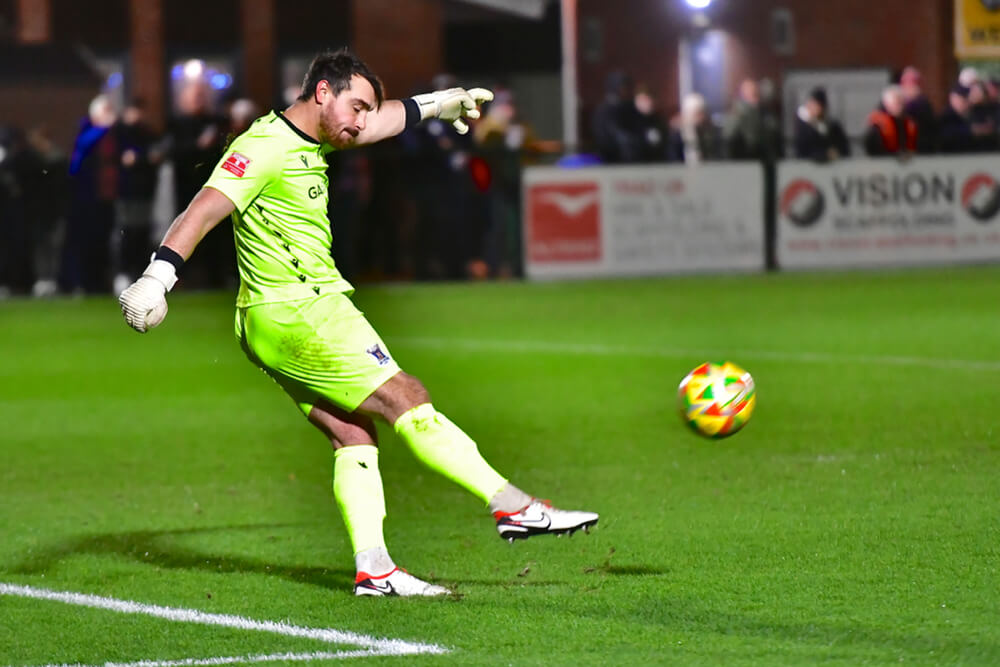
770	39
409	41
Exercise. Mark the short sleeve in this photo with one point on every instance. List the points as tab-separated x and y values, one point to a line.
246	168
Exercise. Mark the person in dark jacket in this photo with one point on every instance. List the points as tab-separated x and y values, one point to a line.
653	132
954	126
982	117
616	124
131	238
920	109
197	137
817	136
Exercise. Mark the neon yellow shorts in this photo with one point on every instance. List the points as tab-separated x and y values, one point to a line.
316	348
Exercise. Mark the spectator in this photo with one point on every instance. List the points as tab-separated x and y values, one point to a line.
242	112
94	170
350	177
506	143
448	230
920	109
968	76
982	118
890	130
652	130
993	96
954	126
752	130
818	137
694	139
12	219
44	188
131	238
616	123
196	137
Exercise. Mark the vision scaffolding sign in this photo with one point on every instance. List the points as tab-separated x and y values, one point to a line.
887	213
620	221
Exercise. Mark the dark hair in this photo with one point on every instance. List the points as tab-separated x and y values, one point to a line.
337	68
818	94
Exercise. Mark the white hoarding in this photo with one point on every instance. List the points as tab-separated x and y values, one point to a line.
883	212
620	221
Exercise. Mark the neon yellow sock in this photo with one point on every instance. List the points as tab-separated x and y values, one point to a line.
357	485
447	450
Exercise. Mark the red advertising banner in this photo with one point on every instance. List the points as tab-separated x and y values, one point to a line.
564	222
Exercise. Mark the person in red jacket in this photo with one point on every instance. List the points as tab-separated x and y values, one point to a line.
890	130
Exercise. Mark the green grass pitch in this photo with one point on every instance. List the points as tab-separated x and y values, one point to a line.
855	520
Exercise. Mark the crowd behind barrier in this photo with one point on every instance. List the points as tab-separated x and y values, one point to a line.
428	205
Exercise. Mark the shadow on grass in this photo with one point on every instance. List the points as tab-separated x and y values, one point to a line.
773	635
160	548
607	569
627	570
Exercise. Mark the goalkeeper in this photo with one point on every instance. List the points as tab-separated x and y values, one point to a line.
295	320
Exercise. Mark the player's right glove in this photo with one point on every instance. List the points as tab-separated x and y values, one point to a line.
452	105
144	302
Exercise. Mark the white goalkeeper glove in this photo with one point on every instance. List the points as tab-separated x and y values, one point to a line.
144	302
453	105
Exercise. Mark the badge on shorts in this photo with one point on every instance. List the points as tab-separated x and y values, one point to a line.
236	164
376	351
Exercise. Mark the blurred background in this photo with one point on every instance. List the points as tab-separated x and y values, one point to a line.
864	124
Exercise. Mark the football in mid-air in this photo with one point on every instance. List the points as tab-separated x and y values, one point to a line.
717	399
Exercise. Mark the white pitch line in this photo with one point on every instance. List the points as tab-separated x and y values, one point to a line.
599	349
328	635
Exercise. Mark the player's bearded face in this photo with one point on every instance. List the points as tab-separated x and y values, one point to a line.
343	117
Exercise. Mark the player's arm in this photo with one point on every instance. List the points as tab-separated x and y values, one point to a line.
144	302
452	105
208	208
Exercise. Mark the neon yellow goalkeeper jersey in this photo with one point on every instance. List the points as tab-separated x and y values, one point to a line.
275	174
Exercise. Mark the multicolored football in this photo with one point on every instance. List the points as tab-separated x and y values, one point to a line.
717	399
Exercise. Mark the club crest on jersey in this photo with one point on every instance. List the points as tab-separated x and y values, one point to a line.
376	351
236	164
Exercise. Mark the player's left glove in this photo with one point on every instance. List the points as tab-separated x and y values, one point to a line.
453	105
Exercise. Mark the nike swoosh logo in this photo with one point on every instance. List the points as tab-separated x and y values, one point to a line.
543	521
381	588
571	205
363	465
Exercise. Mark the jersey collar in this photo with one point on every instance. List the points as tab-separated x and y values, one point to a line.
295	129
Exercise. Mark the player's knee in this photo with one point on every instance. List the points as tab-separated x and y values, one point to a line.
414	390
342	428
347	435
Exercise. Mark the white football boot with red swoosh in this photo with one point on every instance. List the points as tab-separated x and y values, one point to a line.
541	518
395	583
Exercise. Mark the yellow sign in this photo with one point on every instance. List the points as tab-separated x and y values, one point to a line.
977	28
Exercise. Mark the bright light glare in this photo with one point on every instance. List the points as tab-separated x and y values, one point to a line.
698	4
220	80
193	69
